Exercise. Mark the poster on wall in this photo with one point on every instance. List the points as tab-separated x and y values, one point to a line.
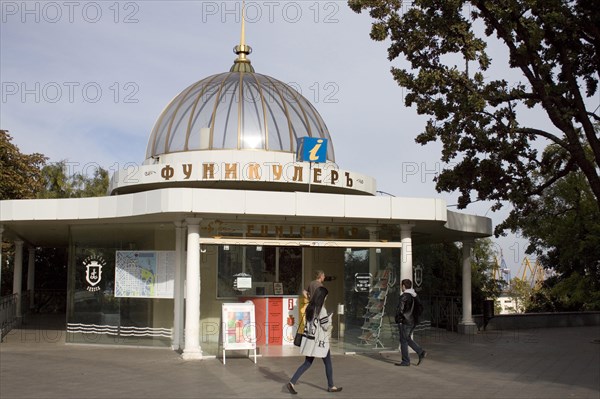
145	274
290	319
239	327
274	321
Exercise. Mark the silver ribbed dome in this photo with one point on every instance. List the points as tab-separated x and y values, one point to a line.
239	110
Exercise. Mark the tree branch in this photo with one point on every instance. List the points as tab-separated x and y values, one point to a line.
558	175
542	133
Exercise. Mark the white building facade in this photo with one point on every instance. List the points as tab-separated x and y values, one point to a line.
223	193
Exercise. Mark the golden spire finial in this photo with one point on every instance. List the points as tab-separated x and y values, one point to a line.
243	34
241	63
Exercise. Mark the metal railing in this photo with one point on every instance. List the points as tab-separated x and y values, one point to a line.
446	312
8	314
50	301
44	301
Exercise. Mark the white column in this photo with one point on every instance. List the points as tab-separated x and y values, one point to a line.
192	301
373	236
466	325
1	231
31	276
18	274
406	263
179	286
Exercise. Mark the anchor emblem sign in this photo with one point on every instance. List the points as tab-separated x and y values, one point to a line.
93	274
418	280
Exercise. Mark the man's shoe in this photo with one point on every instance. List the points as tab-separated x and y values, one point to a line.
421	357
290	388
402	364
334	389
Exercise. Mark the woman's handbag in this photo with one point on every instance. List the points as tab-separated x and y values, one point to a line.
299	335
298	339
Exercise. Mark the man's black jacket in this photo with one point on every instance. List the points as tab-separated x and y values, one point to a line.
404	312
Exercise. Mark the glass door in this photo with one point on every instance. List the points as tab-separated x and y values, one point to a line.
371	280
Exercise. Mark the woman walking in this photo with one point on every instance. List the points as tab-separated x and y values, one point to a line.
315	342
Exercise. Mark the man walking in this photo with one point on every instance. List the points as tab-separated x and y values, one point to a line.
316	283
406	317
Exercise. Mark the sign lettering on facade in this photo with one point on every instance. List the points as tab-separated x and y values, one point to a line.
327	174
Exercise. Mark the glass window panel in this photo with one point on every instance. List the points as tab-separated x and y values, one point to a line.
299	126
94	314
161	129
226	116
290	269
252	115
179	126
319	128
230	263
365	310
279	131
264	264
202	118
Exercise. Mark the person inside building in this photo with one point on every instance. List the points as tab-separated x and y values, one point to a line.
316	283
319	277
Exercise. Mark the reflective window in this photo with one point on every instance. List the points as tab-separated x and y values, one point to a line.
267	266
371	287
95	315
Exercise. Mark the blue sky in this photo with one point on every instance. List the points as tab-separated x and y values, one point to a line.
85	82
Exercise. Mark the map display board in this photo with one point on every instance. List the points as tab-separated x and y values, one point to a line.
239	327
145	274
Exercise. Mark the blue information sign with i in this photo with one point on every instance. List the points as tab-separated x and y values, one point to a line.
312	149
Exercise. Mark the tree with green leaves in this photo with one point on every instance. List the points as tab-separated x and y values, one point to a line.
520	291
566	293
60	184
29	176
563	227
483	282
20	178
20	174
477	114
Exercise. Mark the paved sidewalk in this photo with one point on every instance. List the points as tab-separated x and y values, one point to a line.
538	363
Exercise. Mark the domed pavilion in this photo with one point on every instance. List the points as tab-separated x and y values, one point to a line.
226	221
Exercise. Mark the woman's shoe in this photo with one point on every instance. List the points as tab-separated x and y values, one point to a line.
290	388
334	389
422	356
